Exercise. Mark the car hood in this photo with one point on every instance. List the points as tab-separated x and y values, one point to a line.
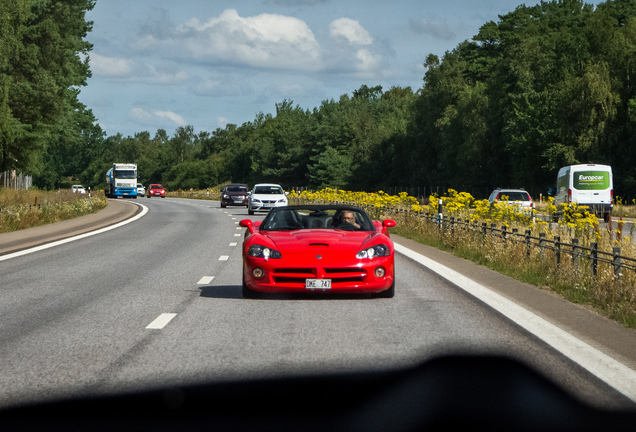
307	240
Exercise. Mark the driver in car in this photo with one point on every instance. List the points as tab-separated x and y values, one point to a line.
346	217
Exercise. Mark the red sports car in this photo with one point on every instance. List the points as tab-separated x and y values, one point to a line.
156	190
318	248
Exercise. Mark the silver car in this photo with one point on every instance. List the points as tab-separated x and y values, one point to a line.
265	196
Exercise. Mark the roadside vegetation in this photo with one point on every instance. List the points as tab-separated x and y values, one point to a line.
21	209
608	294
541	87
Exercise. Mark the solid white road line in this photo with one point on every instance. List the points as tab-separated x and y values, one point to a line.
205	280
161	321
609	370
78	237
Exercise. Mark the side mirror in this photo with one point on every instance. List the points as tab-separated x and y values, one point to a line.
247	223
388	223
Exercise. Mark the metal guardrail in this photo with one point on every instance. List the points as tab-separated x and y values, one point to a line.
575	251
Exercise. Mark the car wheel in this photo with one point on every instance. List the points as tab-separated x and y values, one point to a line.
248	293
390	293
222	205
250	211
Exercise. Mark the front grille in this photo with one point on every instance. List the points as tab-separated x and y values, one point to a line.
345	274
337	275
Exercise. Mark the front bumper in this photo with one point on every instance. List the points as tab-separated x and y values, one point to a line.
355	276
265	206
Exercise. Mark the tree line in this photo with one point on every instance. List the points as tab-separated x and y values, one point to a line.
543	87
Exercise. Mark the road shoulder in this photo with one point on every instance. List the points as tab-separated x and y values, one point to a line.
598	331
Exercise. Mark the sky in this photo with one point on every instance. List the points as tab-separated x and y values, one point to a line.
162	64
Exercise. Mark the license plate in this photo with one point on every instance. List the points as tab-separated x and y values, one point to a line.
318	283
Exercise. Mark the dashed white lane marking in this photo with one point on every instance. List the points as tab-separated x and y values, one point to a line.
224	257
614	373
239	227
237	235
205	280
161	321
233	244
78	237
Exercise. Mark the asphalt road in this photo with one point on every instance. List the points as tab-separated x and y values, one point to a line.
158	301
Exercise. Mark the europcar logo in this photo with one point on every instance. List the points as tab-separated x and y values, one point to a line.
588	180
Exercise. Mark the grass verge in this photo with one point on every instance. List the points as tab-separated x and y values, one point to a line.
22	209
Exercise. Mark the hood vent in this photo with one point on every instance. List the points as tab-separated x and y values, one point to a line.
319	245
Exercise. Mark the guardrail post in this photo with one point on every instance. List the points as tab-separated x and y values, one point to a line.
503	233
452	225
439	211
557	251
527	240
593	258
576	253
542	246
618	263
484	228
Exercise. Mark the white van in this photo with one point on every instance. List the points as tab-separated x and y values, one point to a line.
587	185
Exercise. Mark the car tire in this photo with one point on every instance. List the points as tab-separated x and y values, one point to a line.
250	211
222	205
248	293
390	293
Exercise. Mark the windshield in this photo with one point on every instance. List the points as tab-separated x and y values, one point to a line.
513	196
126	174
311	217
268	190
368	137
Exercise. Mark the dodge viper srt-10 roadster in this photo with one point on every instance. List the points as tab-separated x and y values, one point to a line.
320	249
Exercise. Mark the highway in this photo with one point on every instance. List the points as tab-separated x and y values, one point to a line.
158	301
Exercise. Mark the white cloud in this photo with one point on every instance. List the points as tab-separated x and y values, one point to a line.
110	66
222	122
367	61
437	29
156	117
264	41
351	30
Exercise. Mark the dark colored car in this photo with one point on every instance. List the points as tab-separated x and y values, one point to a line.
234	194
156	190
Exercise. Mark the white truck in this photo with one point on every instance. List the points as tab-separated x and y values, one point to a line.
121	181
589	185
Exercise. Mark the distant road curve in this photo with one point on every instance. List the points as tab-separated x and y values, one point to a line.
115	213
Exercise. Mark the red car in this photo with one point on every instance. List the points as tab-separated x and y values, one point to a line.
156	190
318	248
